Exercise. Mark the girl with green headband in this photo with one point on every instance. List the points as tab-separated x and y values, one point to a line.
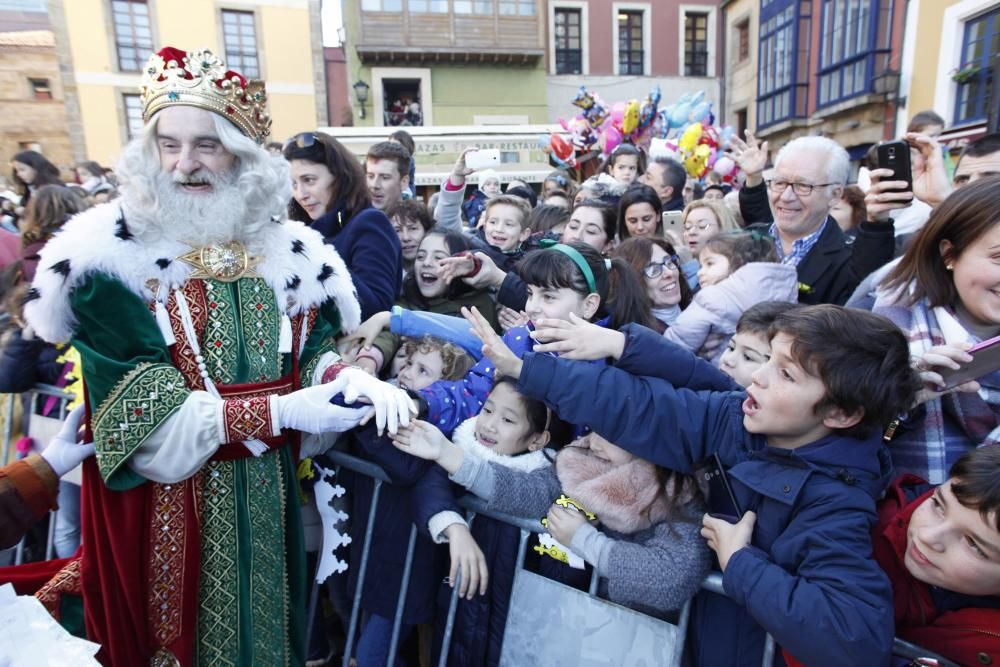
565	281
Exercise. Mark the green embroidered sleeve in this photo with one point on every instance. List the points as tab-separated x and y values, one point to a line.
322	339
126	365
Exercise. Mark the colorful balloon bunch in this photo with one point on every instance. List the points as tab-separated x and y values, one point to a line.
684	130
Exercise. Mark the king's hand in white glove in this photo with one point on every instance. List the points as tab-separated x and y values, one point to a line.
393	406
310	411
64	452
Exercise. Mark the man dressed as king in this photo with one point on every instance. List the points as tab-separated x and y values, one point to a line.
205	321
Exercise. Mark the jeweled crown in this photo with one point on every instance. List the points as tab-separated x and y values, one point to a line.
199	79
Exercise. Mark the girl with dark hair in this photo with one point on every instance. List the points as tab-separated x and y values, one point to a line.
640	213
738	271
90	175
563	281
593	222
625	164
943	295
423	290
667	290
31	171
49	209
329	194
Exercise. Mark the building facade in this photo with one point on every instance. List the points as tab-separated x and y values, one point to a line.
827	67
108	42
622	49
950	64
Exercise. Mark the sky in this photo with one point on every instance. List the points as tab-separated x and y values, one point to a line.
331	16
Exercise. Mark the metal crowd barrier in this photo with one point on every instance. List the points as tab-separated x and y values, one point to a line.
473	506
476	506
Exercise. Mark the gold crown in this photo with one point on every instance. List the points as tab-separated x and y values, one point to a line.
199	79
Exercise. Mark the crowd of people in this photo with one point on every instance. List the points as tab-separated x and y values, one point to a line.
578	355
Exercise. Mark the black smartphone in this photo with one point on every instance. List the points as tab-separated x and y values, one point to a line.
722	501
895	155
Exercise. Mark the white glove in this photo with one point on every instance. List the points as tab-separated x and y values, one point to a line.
393	406
64	453
310	410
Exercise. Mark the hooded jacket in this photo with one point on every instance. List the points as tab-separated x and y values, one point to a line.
808	577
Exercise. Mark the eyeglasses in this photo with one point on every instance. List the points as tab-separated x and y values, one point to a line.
656	269
304	140
701	226
801	189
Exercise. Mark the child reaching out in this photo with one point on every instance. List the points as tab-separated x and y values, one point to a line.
738	270
804	454
646	550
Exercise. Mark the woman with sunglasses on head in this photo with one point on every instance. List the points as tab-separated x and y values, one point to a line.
329	193
656	261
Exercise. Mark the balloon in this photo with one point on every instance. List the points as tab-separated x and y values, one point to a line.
726	135
630	119
612	138
658	148
679	115
689	138
697	97
724	165
545	143
696	161
561	148
617	114
700	111
584	99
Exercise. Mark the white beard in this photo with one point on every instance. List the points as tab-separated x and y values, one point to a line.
197	219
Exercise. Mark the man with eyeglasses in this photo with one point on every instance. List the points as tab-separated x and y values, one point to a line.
808	179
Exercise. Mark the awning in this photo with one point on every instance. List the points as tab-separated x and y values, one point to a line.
957	138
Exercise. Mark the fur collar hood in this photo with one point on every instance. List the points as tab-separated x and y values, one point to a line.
465	437
302	271
626	499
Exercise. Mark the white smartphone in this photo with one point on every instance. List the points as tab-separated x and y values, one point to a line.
673	220
484	158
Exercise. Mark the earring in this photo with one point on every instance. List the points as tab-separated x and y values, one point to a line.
949	266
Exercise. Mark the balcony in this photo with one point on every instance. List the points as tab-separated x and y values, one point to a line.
500	31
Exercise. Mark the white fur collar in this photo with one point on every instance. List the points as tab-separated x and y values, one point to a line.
295	263
465	437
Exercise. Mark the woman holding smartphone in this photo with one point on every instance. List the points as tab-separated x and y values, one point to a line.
945	295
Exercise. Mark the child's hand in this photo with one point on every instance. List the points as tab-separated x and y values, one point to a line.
726	538
578	339
510	318
460	170
365	335
933	362
421	439
467	558
507	362
563	523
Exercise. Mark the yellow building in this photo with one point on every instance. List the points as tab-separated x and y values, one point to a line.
279	41
948	48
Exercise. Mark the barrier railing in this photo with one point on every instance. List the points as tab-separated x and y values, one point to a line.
474	507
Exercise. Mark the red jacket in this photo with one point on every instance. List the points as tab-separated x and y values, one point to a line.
969	636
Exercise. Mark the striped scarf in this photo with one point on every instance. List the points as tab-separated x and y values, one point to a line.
954	423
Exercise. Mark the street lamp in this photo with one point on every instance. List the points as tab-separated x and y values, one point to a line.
361	93
887	83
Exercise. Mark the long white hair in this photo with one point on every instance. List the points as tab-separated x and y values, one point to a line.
257	189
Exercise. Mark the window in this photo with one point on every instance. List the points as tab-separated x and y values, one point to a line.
473	6
695	44
239	35
382	5
133	116
782	71
630	53
432	6
40	89
741	123
974	75
133	35
516	7
568	40
854	48
743	41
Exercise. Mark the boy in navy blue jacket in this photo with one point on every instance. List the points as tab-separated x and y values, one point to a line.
803	450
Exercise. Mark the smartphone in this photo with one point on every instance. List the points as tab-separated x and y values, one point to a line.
484	158
722	501
895	155
674	220
985	360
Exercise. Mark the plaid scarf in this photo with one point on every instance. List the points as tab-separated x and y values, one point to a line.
954	423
